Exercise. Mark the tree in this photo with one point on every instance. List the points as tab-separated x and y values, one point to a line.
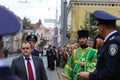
42	43
26	23
118	28
90	25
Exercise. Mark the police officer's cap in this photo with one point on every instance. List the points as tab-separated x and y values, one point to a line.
9	23
31	38
104	17
83	33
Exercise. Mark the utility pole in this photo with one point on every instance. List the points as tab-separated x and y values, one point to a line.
25	1
63	22
55	38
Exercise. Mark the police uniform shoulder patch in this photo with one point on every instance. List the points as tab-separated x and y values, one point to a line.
113	49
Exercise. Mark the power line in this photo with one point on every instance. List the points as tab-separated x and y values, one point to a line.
25	1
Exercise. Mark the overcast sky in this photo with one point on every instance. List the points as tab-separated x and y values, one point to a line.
34	9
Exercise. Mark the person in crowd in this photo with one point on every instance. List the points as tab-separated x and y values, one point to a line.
61	58
70	51
41	51
48	55
57	56
5	52
27	66
98	42
82	58
64	56
75	45
9	25
33	39
108	62
52	58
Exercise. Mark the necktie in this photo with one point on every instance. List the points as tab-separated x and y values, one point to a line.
30	72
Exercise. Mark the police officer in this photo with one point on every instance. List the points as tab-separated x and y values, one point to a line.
9	25
108	64
33	39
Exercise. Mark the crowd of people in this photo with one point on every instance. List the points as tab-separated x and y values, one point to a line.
107	62
79	55
58	56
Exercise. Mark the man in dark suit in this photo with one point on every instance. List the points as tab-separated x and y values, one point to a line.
9	25
33	39
19	65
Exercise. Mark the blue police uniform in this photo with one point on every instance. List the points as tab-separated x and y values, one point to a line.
108	64
9	25
34	39
35	52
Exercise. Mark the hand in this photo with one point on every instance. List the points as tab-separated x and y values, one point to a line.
81	64
99	43
83	75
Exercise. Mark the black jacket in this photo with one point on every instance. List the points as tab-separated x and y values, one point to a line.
19	69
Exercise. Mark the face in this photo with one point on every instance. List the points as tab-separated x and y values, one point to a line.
32	43
26	49
83	40
101	30
99	43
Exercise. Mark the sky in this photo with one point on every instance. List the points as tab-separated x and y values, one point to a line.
34	9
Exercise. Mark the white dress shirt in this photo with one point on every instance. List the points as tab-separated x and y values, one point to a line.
32	64
109	35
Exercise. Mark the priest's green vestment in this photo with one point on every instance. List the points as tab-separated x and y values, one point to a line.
87	55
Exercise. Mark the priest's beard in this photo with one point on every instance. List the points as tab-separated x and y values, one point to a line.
83	46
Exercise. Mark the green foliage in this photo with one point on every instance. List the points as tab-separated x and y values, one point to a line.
89	24
42	43
26	23
118	28
24	36
92	19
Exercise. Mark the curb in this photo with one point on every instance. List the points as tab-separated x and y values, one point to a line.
60	77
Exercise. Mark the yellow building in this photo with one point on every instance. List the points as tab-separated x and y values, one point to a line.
77	10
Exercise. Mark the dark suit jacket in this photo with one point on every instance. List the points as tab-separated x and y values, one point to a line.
35	52
18	68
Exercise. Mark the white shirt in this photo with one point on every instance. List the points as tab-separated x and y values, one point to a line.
109	35
1	63
32	64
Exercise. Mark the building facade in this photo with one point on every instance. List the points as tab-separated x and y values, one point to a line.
77	10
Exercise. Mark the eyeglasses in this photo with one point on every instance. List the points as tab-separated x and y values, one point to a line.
25	48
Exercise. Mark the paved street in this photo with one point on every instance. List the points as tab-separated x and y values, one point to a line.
52	75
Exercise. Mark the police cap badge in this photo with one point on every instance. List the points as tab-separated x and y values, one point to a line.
31	38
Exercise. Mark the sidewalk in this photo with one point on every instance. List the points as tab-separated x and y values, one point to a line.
11	55
14	54
60	77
